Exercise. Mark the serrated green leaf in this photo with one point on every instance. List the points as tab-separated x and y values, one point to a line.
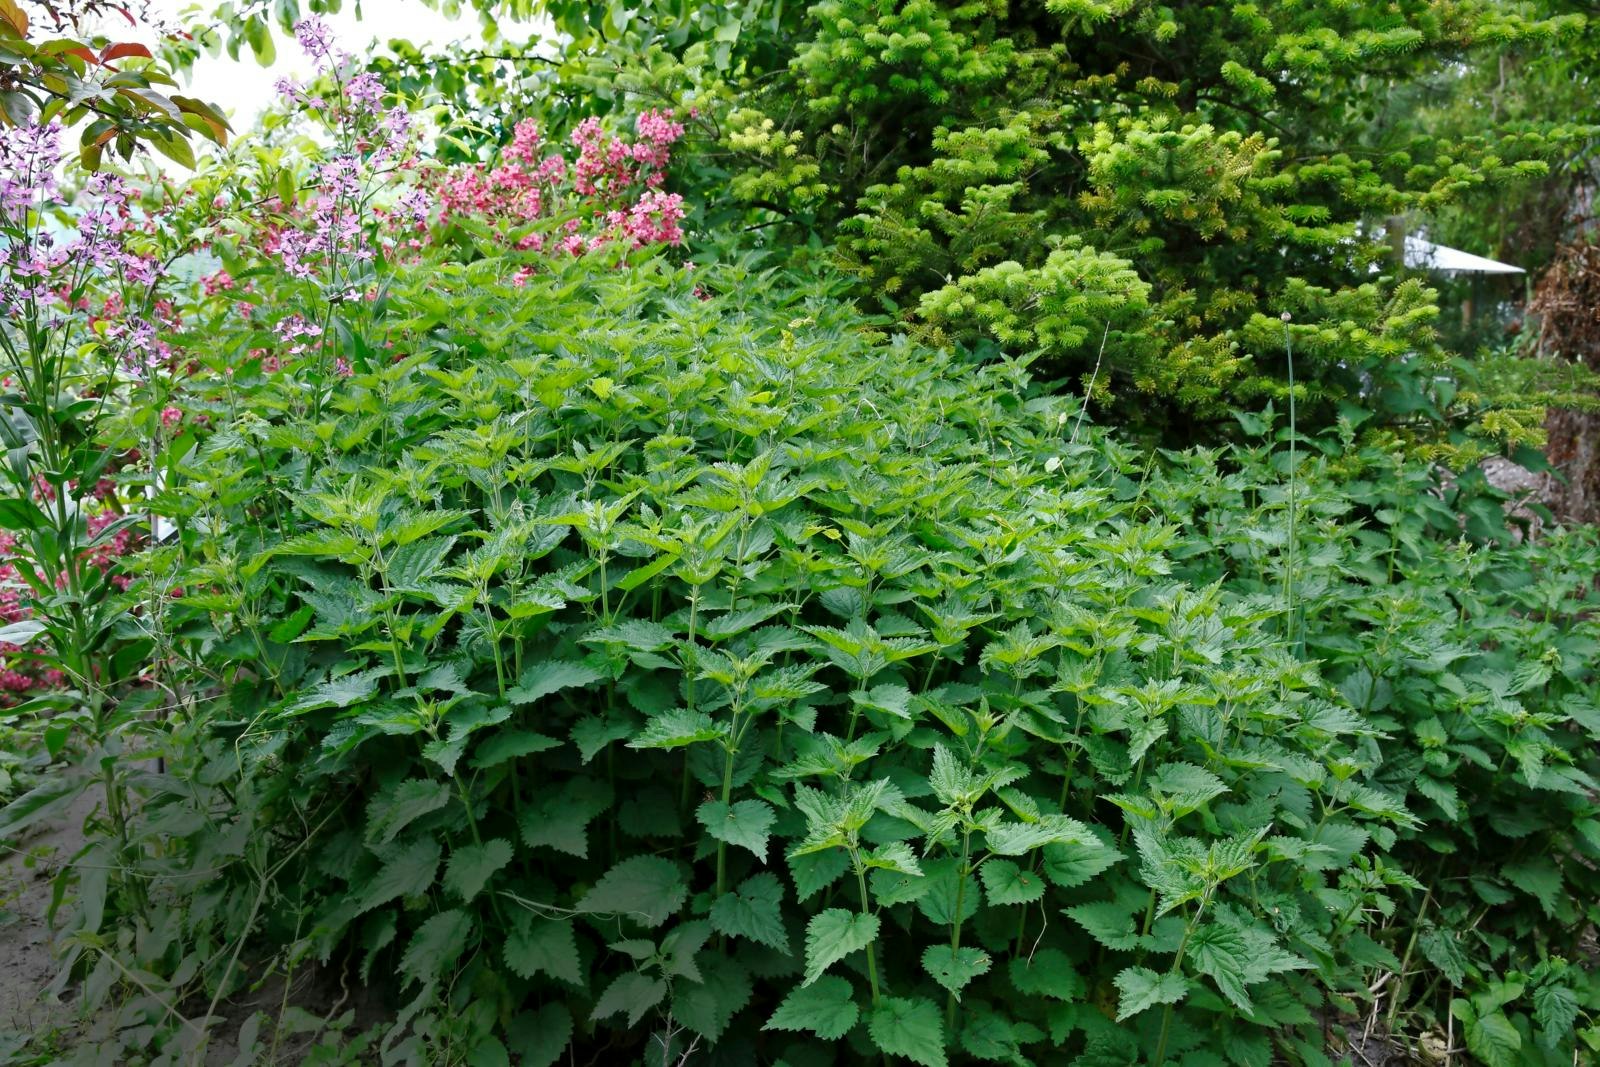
746	823
1047	973
408	873
1494	1040
542	679
911	1027
1140	988
632	993
1220	952
640	635
559	818
1006	883
538	1038
1109	922
816	871
954	969
826	1008
1539	877
753	911
1555	1008
535	945
1019	838
707	1006
398	808
471	866
677	728
1072	864
646	889
834	934
951	897
437	944
1440	948
511	744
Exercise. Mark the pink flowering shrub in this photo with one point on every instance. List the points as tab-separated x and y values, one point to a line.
607	195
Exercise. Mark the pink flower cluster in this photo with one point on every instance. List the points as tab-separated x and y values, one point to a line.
611	191
20	675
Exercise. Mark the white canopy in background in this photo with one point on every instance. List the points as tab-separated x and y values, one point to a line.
1425	255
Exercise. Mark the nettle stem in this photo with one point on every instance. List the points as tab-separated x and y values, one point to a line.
1177	968
688	695
956	922
731	750
866	909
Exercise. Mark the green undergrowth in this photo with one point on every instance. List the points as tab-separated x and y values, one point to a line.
727	680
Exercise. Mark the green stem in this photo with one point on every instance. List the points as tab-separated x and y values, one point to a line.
866	909
955	925
727	793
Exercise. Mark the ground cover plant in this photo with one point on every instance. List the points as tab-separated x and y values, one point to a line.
577	633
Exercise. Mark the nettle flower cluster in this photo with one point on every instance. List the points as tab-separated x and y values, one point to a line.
608	196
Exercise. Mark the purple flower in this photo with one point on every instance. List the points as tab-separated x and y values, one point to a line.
364	90
316	39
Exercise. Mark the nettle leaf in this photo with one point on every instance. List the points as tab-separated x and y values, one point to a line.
1006	883
1492	1038
1016	839
393	811
1185	787
1047	973
910	1027
1141	988
753	911
437	944
896	856
951	897
542	679
536	944
955	968
676	728
834	934
339	692
746	823
826	1008
646	889
561	816
1220	952
1555	1007
1072	864
1110	922
592	733
816	871
509	745
538	1038
708	1006
990	1036
1538	877
471	866
638	635
408	872
1444	951
632	993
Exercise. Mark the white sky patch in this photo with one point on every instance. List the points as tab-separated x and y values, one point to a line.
243	88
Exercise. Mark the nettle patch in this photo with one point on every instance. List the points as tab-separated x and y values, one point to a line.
1477	663
721	676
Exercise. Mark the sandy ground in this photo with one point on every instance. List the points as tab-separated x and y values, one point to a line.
27	965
